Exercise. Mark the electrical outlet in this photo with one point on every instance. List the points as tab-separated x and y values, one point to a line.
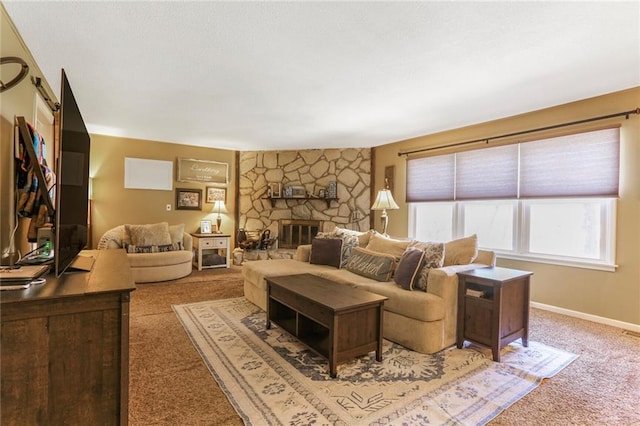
355	215
168	207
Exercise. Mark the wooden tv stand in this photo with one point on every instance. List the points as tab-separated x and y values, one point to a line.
65	347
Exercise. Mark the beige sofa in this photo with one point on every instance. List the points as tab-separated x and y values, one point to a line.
157	265
419	320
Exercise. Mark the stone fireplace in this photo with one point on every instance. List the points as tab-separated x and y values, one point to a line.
293	233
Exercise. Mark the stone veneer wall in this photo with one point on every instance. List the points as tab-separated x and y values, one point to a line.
313	169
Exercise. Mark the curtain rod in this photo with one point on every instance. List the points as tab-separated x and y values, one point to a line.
37	81
523	132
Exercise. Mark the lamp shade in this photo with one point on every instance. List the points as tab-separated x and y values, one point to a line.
219	207
384	201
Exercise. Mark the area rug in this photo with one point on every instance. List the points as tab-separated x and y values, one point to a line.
271	378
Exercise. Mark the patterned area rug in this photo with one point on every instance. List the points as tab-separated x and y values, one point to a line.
271	378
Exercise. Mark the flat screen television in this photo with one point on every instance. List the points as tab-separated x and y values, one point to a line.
72	189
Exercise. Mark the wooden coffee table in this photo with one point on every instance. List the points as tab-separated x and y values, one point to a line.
337	321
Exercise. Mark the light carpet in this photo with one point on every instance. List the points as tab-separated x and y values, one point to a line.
272	378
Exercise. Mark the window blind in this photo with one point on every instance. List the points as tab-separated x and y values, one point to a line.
431	178
584	164
490	173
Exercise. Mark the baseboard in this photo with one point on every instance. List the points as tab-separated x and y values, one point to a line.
593	318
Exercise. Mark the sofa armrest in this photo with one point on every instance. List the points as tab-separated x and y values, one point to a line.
303	253
187	241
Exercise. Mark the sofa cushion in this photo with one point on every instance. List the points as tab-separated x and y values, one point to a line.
256	271
461	251
413	304
370	264
326	251
149	235
434	258
382	244
409	267
176	232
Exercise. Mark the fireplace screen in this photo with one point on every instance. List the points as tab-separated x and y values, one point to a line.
297	232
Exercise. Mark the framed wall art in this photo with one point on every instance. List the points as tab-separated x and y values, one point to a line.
188	199
213	172
215	194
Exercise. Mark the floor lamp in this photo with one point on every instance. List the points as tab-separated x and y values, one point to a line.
384	201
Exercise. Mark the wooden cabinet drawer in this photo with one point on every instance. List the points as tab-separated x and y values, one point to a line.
213	243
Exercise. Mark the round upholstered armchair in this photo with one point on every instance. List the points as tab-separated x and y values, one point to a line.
156	252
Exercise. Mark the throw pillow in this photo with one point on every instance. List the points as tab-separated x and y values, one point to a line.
434	254
349	241
382	244
377	266
131	248
176	232
409	267
149	235
326	251
363	237
462	251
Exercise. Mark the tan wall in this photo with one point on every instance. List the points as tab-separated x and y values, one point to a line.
612	295
16	101
114	205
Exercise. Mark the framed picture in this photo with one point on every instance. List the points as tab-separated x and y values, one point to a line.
215	194
276	190
190	170
205	226
188	199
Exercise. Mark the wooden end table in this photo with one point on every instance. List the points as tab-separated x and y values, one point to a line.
337	321
493	307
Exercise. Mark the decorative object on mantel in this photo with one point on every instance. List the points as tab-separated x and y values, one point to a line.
332	189
213	172
274	190
384	201
188	199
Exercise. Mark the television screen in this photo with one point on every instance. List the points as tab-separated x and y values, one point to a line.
72	195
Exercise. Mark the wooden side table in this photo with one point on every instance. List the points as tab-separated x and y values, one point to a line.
204	244
493	307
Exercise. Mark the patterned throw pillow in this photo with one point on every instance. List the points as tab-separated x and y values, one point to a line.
377	266
434	254
132	248
326	251
408	270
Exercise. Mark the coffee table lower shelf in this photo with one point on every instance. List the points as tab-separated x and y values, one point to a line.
337	321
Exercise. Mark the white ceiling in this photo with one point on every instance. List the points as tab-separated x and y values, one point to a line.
290	75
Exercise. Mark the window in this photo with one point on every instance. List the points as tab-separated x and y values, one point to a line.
551	200
574	232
